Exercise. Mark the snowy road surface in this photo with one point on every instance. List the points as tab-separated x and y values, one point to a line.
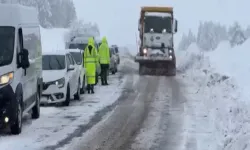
133	113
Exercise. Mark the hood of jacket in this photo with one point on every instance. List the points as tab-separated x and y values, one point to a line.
104	40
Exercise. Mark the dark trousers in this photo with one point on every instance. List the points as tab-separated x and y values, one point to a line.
90	88
104	73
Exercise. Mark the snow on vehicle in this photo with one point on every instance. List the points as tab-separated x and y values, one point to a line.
20	65
80	42
78	55
157	27
61	77
113	61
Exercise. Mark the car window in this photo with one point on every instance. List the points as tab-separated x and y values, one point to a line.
72	62
68	61
77	57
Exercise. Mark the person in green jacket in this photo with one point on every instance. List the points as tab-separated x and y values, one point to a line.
104	56
90	61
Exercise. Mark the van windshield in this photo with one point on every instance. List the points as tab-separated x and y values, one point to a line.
7	40
53	62
77	56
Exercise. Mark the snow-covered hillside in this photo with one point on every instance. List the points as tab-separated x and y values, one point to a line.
221	95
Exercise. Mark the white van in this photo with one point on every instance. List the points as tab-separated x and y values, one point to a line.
20	65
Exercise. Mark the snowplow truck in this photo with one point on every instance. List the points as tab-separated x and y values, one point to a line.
156	55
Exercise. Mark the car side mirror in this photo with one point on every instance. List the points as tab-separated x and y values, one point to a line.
71	68
25	59
176	26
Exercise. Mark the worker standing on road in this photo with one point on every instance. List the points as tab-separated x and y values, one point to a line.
104	56
90	61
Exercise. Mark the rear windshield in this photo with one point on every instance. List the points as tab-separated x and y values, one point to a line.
53	62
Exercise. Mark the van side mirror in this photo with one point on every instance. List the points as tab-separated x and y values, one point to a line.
176	26
25	63
71	68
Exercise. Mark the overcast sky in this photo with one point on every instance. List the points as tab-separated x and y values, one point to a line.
118	19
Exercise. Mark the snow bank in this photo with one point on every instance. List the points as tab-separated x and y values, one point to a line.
220	97
53	39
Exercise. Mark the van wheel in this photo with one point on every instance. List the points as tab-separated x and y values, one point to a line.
83	86
67	100
16	127
36	109
77	96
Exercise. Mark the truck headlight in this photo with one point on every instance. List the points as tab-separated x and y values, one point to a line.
170	57
6	78
145	51
170	51
60	83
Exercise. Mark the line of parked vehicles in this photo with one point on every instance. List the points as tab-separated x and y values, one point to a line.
30	77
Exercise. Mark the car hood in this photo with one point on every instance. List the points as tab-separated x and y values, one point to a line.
53	75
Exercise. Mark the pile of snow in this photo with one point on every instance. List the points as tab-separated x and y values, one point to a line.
53	39
220	97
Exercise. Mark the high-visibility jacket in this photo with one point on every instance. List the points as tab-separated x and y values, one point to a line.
90	61
104	53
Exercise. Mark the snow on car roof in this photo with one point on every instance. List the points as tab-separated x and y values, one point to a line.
56	52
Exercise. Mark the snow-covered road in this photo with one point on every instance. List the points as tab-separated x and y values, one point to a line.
58	125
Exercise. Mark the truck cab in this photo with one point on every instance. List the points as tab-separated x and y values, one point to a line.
157	27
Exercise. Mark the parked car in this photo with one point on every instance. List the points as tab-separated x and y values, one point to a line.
20	77
116	53
78	57
113	61
61	76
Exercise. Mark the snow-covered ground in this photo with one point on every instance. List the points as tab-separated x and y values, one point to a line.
57	123
218	107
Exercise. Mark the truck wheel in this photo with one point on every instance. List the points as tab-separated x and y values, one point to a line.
16	127
67	100
36	109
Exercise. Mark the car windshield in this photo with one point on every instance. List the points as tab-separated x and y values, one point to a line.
77	56
53	62
78	46
158	24
7	40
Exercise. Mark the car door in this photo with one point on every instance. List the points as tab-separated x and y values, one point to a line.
70	75
74	72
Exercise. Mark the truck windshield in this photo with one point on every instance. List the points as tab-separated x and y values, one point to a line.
77	56
53	62
7	40
79	46
158	24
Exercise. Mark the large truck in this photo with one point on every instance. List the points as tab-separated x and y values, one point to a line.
156	55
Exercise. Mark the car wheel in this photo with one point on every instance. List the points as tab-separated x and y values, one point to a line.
77	96
67	100
36	109
83	86
16	127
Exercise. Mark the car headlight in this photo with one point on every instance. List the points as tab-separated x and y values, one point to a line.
170	57
6	78
60	83
145	51
170	51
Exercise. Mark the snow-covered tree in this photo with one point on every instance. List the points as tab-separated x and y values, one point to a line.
52	13
80	28
210	35
236	34
187	40
247	32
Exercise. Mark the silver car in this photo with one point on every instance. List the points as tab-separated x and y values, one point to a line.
113	61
